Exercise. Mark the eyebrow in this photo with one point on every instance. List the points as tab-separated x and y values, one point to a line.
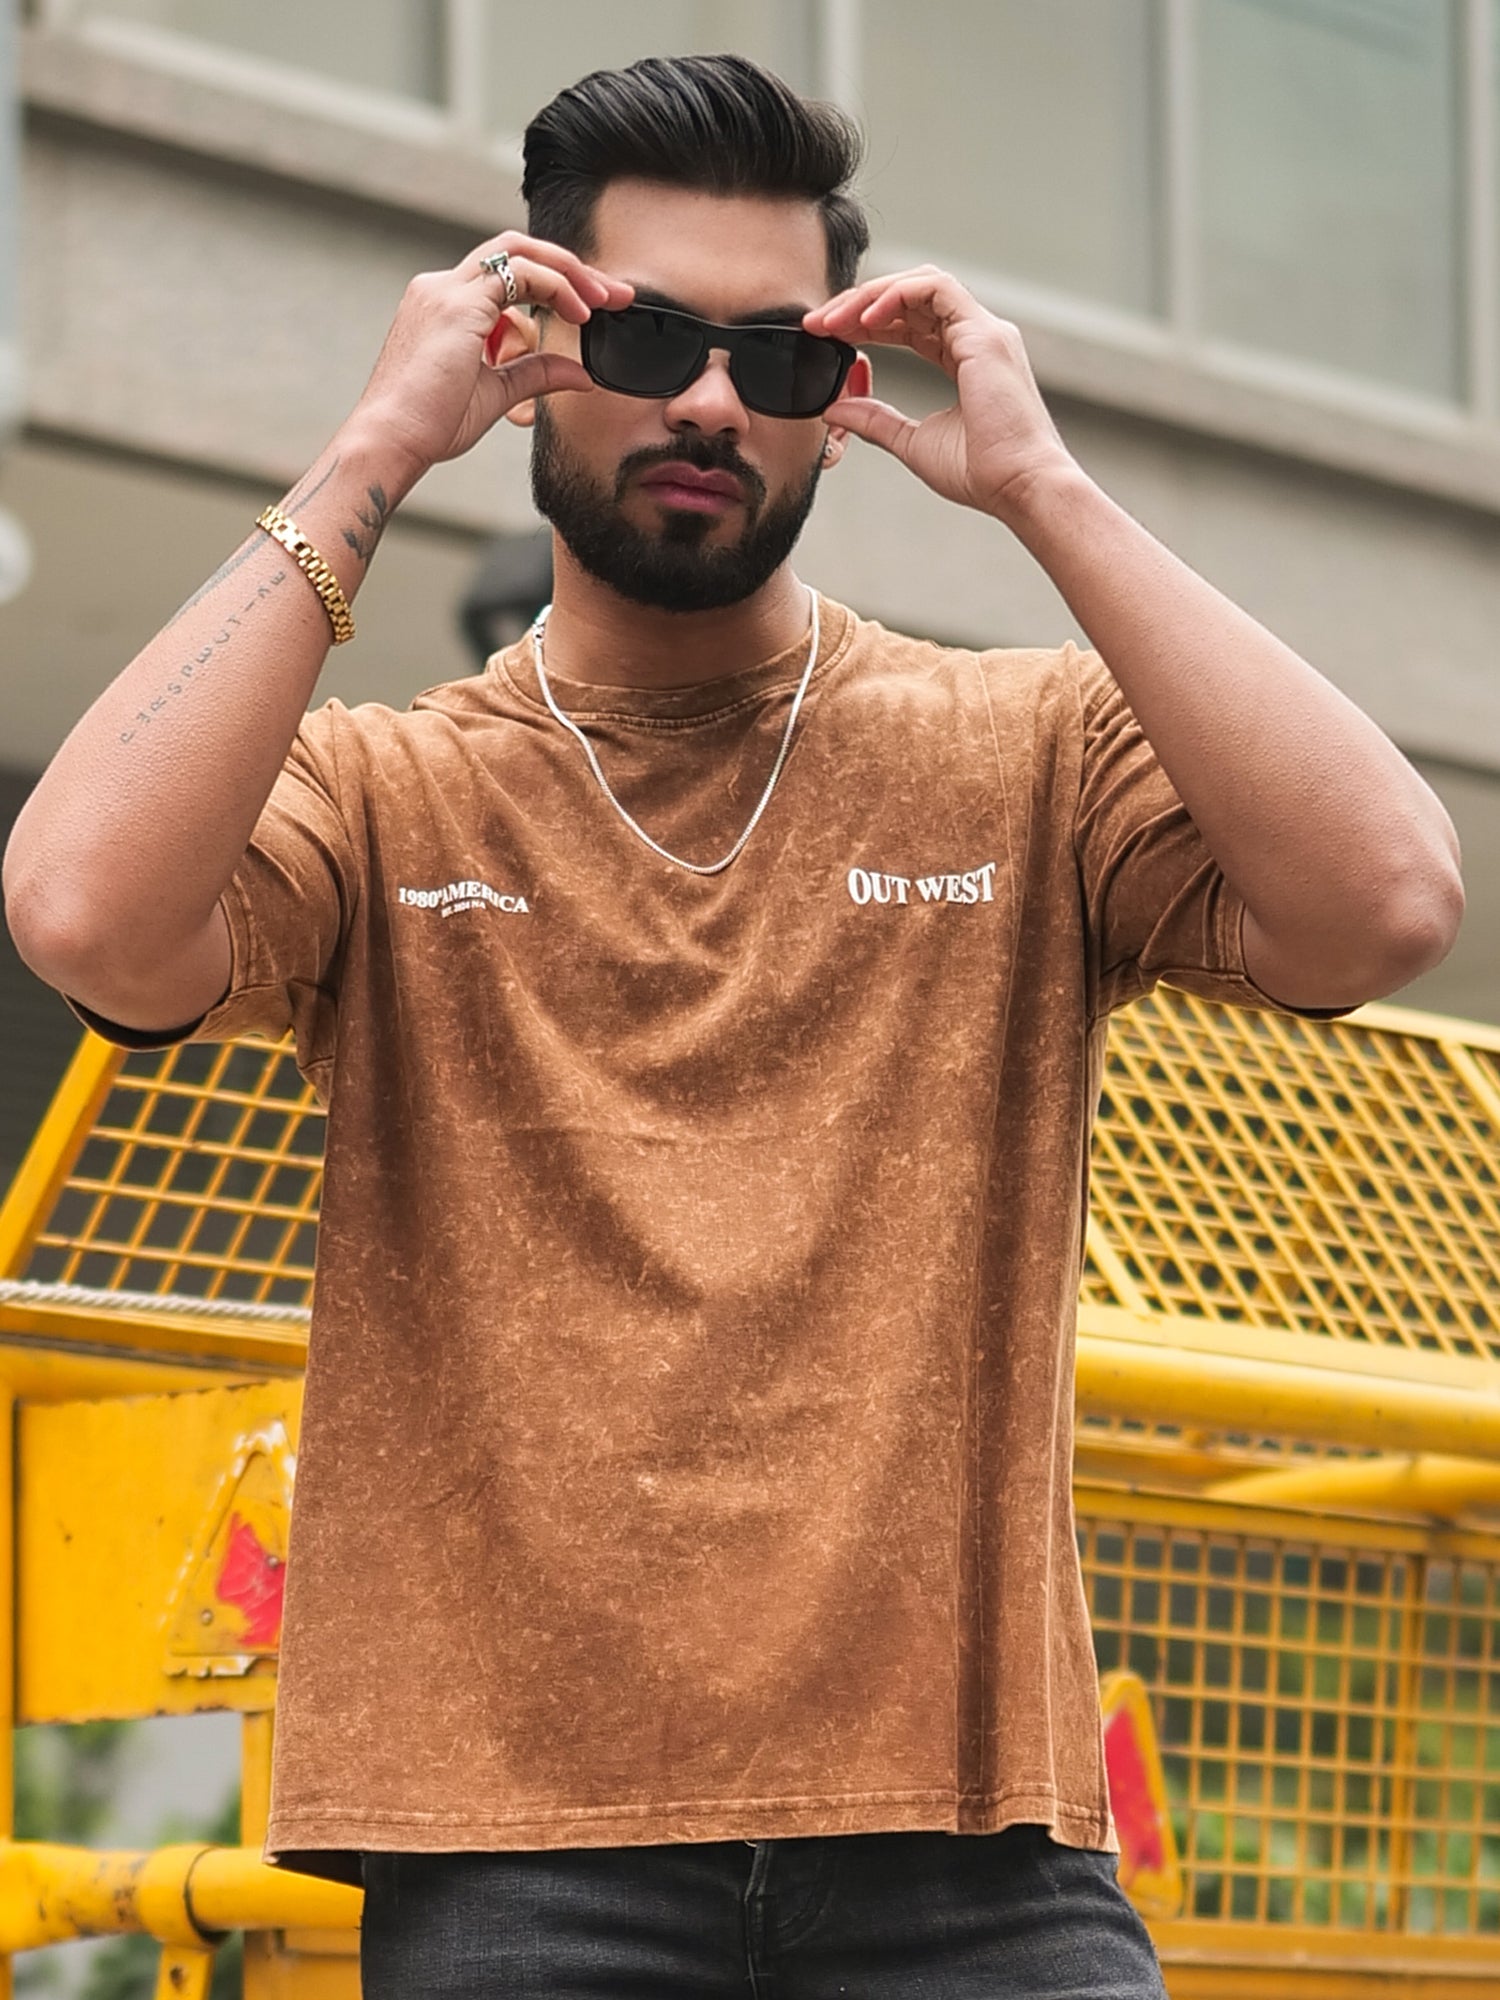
782	315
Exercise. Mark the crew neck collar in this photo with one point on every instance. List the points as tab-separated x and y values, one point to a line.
712	696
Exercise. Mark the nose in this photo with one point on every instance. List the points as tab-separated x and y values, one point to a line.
710	402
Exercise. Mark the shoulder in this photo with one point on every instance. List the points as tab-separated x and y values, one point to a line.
370	729
1058	683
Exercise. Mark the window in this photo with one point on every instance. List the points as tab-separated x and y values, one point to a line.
1018	135
562	40
508	63
1286	176
1330	202
396	46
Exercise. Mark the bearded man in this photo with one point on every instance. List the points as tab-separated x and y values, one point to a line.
710	999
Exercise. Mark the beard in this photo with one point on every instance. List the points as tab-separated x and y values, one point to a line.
673	570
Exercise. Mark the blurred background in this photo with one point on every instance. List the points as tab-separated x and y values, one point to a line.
1254	246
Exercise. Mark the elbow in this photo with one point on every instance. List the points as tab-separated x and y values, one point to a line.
30	910
53	917
1370	920
50	935
1420	924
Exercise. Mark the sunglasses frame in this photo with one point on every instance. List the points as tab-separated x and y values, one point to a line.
731	339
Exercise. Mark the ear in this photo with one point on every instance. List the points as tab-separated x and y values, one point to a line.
514	334
860	381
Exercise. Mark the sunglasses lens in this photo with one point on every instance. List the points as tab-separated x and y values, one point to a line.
651	351
784	372
641	352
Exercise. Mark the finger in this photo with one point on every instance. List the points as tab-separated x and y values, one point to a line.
876	422
587	279
894	302
538	285
899	332
539	375
843	310
931	296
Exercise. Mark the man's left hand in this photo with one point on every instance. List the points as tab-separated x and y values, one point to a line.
982	451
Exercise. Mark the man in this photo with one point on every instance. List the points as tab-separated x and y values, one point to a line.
710	997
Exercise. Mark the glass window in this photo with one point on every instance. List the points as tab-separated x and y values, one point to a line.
1018	135
390	45
1330	183
565	39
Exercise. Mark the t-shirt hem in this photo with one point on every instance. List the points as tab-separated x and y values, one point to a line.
330	1844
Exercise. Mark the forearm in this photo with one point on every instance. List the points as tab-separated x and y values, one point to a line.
1346	860
118	861
139	822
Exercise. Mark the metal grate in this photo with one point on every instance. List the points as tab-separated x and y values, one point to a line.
1337	1178
1329	1178
199	1179
1329	1716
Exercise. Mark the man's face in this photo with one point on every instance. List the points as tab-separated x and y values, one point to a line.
602	465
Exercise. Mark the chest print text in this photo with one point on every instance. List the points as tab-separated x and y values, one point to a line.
455	896
973	885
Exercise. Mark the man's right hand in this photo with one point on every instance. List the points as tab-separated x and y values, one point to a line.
433	392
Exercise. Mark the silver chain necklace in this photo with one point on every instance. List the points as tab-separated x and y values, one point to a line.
693	867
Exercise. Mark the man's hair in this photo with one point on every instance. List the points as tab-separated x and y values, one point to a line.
721	124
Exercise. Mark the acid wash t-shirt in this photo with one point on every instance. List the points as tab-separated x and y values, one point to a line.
688	1432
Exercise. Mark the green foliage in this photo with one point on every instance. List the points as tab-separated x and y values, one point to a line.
66	1779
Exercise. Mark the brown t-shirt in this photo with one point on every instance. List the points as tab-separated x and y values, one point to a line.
688	1432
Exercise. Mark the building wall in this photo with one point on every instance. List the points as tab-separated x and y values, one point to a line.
217	231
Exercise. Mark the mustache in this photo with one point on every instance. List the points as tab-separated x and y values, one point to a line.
703	455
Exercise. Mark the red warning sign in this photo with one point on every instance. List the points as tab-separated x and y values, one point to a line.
252	1579
1150	1869
225	1611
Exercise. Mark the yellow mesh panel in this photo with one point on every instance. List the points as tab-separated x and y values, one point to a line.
1329	1718
1331	1178
200	1179
1326	1178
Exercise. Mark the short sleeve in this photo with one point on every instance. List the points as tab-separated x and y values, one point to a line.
289	906
1157	906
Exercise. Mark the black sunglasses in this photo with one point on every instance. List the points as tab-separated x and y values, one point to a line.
778	371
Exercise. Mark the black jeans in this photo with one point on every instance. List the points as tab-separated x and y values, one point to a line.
861	1916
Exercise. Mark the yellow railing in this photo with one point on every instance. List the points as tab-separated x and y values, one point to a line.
184	1895
1288	1468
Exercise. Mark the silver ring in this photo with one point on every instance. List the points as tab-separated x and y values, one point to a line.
499	264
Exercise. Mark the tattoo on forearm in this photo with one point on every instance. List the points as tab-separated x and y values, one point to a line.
224	570
371	518
196	665
298	496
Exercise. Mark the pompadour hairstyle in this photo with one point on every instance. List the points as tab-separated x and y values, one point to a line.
719	123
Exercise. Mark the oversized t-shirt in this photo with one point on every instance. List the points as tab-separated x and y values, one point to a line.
687	1442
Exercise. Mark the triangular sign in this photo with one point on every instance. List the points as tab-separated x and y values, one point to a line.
225	1609
1150	1871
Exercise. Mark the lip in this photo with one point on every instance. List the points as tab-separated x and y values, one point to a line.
680	485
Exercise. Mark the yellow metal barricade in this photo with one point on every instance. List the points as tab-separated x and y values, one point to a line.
1287	1485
